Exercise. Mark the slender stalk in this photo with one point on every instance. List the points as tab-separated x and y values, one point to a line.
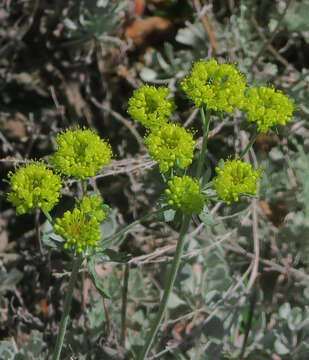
37	229
248	325
168	289
84	186
125	284
109	240
108	319
48	217
66	308
206	122
251	142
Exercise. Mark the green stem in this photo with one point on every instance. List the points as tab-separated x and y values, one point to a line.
66	308
251	142
84	186
109	240
125	285
206	122
168	289
48	217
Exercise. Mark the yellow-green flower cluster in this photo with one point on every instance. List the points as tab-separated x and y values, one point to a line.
214	86
34	186
236	177
150	107
80	228
92	206
171	145
267	107
184	194
80	153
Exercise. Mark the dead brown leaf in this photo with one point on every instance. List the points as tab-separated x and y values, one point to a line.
141	30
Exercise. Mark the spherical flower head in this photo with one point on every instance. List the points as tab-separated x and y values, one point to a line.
184	194
80	228
34	186
92	206
236	177
267	107
80	153
214	86
171	145
149	106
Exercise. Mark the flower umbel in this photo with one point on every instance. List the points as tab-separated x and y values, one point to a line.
267	107
149	106
34	186
92	206
236	177
217	87
171	145
80	153
80	228
184	194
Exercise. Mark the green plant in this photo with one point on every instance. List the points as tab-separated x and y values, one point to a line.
213	88
217	88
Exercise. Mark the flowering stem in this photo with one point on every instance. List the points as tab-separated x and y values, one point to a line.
84	186
125	284
66	308
206	122
168	289
48	217
113	237
251	142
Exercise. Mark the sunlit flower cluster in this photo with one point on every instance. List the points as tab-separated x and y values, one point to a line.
80	153
34	186
149	106
92	206
234	178
80	227
214	86
184	194
168	144
171	145
267	107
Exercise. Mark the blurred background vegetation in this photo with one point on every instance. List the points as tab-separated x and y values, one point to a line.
243	289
